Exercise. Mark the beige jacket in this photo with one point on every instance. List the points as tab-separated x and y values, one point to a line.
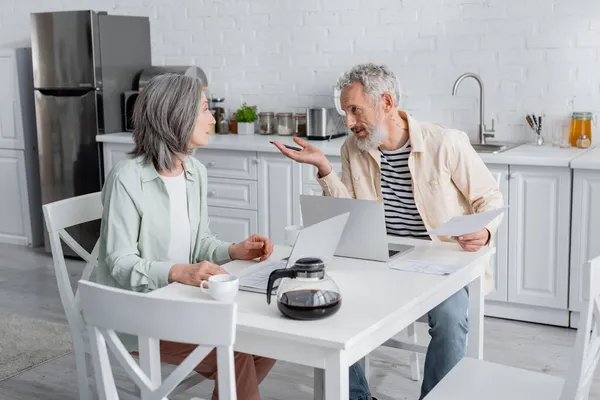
448	177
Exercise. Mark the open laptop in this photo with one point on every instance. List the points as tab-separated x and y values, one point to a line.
319	240
365	235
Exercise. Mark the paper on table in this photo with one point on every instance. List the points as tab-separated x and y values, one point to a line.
425	267
464	224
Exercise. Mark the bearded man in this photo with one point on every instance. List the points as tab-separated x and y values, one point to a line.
425	174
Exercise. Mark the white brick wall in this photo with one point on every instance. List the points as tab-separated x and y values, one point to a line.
533	55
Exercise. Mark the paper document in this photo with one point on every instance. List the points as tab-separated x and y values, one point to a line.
257	275
464	224
425	267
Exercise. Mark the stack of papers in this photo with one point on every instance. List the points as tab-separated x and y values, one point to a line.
425	267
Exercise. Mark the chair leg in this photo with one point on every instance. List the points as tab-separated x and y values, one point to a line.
319	384
365	364
415	369
81	362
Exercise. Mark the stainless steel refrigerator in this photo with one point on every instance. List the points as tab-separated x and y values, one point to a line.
82	62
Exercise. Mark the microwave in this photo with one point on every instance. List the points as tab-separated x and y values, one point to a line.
127	103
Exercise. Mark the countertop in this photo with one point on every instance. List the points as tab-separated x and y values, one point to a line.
241	142
588	160
525	154
530	154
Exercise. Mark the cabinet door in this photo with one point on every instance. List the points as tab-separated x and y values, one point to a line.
278	195
585	229
540	207
312	189
15	225
232	193
232	225
228	163
499	262
113	153
10	134
309	172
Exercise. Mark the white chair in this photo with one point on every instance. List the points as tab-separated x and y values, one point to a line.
412	345
59	216
209	324
473	379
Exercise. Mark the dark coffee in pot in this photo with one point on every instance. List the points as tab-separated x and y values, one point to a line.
309	304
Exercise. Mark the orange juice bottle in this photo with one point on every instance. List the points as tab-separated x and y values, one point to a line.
581	124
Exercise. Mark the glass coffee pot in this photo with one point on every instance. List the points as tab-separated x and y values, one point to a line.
306	292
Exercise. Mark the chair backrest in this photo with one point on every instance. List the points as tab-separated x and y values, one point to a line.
587	343
59	216
209	324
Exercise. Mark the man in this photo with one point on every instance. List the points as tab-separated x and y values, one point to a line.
425	174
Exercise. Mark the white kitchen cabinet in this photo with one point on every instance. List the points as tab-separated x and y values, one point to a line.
279	187
113	153
11	136
312	189
309	172
585	228
539	233
232	225
15	223
228	163
499	262
232	193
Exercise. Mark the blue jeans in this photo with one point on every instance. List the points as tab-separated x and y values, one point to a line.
448	328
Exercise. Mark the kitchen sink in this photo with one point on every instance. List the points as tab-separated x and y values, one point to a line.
493	148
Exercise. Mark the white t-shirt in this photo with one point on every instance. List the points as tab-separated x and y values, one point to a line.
179	242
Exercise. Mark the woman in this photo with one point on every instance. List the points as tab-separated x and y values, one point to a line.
155	224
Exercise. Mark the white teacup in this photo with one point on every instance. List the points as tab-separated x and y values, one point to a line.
291	233
223	287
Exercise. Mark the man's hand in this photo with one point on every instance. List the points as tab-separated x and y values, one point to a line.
308	155
473	241
194	274
255	246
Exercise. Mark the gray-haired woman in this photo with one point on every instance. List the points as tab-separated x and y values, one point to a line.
155	224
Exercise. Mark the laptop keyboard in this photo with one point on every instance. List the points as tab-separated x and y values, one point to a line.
257	275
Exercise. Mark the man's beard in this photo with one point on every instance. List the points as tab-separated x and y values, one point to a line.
376	134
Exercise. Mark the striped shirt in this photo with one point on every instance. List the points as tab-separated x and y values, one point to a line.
402	217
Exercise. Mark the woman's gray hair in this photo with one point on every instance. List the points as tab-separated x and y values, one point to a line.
164	116
376	80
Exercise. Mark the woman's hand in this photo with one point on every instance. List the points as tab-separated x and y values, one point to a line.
255	246
194	274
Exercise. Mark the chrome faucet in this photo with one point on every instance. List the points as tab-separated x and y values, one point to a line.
484	133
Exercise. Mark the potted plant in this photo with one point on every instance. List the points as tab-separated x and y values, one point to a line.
245	117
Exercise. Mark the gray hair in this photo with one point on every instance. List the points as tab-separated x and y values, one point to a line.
376	80
164	116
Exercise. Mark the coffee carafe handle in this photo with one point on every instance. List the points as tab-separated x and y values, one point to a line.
277	274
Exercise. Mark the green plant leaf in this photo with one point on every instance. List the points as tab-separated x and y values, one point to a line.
246	113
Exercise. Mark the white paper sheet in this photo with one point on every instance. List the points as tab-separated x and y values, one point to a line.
425	267
464	224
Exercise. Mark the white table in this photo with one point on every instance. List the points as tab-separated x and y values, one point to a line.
377	303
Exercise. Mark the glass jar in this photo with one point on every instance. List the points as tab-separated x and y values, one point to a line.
285	124
266	123
232	125
300	125
581	125
583	142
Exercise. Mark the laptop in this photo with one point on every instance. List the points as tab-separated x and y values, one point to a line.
319	240
365	235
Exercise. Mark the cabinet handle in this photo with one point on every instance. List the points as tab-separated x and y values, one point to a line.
513	175
211	164
212	193
256	160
